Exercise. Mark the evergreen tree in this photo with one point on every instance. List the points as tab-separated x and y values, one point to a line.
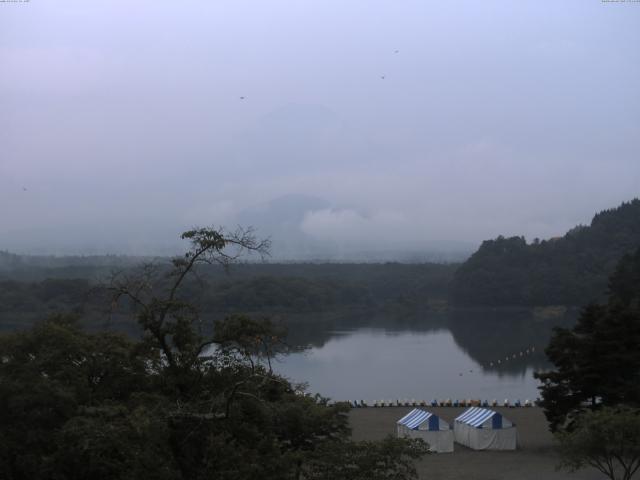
598	361
568	270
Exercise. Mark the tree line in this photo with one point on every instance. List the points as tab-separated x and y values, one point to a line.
269	288
569	270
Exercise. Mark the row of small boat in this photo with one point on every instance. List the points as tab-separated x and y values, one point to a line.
443	403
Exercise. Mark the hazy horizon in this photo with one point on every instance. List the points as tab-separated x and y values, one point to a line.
340	129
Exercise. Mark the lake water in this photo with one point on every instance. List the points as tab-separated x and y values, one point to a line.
386	355
374	364
482	355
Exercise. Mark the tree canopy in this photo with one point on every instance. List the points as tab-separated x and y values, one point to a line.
568	270
607	439
177	404
597	362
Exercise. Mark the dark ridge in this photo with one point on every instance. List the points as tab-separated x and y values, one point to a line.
569	270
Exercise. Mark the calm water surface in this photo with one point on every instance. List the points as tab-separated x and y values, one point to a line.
456	359
486	354
373	364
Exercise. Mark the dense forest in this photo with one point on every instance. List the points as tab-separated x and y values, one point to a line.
571	270
79	287
174	403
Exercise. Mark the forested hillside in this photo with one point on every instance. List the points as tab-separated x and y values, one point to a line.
571	270
265	288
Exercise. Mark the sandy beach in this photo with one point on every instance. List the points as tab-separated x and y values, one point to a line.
534	459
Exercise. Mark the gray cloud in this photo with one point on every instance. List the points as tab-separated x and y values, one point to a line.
124	121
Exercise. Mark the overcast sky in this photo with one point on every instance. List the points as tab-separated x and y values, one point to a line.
410	122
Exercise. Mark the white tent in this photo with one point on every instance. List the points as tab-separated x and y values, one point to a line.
484	429
432	429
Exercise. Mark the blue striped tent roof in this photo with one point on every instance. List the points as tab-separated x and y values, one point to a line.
476	416
417	417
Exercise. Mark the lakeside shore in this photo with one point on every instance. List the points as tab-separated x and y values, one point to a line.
535	458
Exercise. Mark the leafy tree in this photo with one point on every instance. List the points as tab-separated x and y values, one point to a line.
389	459
47	376
607	439
178	404
598	361
165	317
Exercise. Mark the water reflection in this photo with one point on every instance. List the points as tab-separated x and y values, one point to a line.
420	355
374	364
506	341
